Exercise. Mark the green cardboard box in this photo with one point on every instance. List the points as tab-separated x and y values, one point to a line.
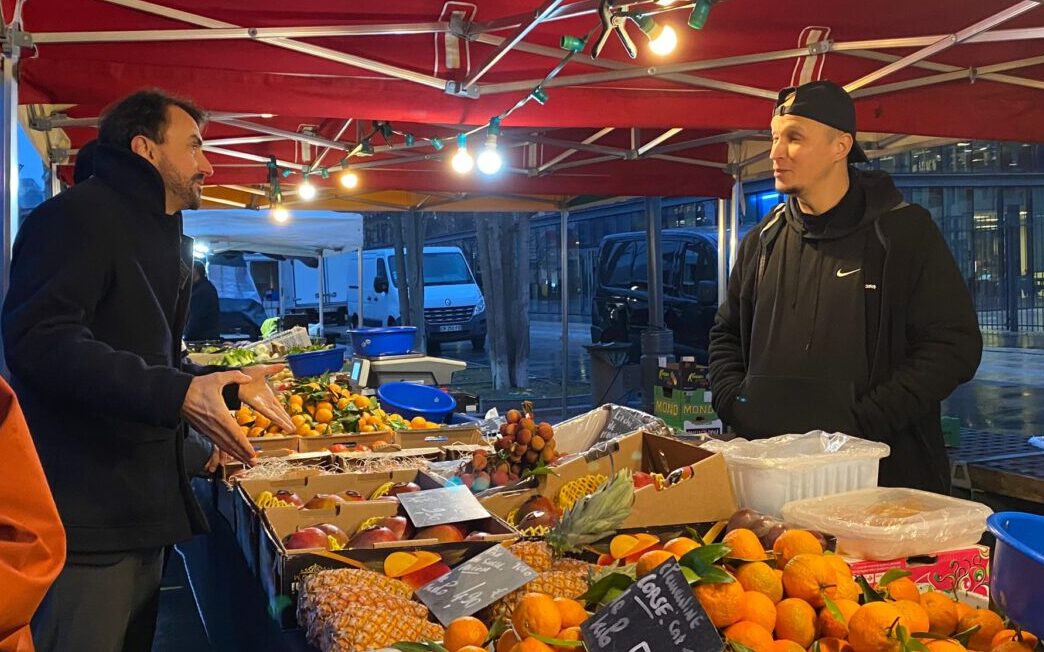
686	410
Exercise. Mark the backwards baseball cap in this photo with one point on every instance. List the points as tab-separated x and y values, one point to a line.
825	102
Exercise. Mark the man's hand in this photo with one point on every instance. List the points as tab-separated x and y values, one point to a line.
258	394
205	409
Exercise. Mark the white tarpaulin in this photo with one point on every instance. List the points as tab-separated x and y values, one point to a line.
307	233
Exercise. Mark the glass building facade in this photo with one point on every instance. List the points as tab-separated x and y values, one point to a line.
986	197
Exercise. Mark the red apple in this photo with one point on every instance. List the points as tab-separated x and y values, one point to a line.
427	574
367	538
335	532
400	525
445	533
288	496
352	496
324	501
403	488
309	537
476	536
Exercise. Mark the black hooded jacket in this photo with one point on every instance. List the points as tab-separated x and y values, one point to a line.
855	321
92	327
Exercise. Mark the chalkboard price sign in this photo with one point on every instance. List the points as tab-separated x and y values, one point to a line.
658	612
623	421
437	506
475	584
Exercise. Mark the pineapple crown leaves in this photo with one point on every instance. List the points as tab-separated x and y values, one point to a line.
556	642
426	646
594	516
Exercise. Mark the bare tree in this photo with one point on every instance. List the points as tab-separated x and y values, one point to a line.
503	247
408	241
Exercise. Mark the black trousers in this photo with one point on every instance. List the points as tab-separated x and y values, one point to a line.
102	603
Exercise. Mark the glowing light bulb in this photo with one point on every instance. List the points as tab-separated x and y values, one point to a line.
349	179
462	161
306	190
664	42
280	214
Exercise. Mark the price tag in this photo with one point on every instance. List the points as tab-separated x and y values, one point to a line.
658	612
475	584
437	506
624	421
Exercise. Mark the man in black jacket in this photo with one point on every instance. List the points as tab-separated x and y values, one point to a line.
92	327
204	318
845	311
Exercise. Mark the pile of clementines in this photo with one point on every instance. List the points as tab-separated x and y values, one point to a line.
801	598
795	598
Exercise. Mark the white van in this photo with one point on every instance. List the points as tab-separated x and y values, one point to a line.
454	309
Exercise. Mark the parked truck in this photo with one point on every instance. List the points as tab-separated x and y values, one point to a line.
454	308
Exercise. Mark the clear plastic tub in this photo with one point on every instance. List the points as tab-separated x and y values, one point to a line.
767	473
892	523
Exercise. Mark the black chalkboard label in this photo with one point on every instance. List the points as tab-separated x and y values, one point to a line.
436	506
658	612
623	421
475	584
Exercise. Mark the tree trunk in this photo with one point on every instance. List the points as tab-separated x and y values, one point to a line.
399	245
415	274
503	246
520	372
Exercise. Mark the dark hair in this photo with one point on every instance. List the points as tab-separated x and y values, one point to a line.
142	114
199	266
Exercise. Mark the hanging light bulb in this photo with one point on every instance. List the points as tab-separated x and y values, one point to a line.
662	38
462	162
306	190
280	214
489	161
349	179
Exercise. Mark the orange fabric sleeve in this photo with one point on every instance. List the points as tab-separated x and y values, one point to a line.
32	539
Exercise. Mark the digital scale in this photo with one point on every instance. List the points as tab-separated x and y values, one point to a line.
370	372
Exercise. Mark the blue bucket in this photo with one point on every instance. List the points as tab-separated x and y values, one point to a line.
1018	567
393	340
316	363
411	400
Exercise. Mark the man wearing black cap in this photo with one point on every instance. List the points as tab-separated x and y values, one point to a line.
846	311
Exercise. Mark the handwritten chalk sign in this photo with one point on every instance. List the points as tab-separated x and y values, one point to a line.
658	612
475	584
436	506
623	421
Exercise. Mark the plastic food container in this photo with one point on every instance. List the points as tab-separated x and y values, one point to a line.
315	363
411	400
393	340
766	473
1018	567
892	523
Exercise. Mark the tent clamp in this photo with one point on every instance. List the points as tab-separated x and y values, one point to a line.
973	75
819	47
12	38
458	90
45	122
58	155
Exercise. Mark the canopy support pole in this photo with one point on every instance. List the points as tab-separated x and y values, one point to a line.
734	218
359	271
723	263
9	147
322	289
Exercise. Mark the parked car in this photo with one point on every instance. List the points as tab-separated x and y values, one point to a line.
689	264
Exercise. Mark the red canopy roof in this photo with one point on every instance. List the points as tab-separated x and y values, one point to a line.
722	79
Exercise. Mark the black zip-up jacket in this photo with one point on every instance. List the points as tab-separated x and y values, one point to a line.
917	326
92	328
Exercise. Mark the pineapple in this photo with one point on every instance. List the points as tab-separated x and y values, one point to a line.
595	516
536	554
366	627
574	490
316	608
568	583
342	577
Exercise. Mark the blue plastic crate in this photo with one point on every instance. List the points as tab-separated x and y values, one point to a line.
393	340
411	400
316	363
